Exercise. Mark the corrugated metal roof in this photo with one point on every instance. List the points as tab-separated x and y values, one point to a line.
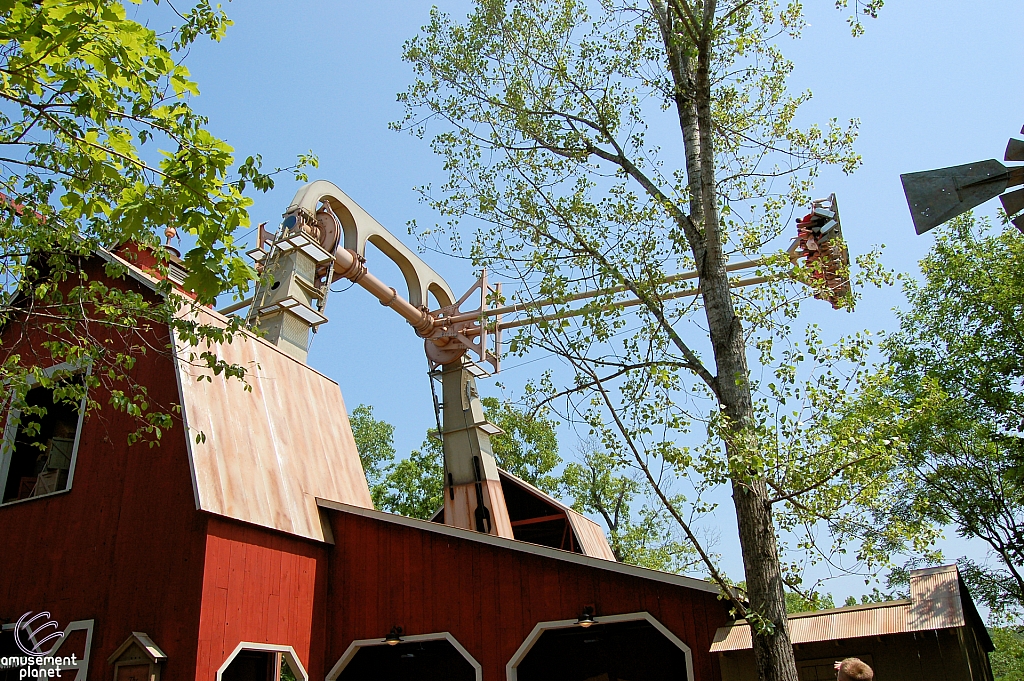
936	596
266	454
825	625
934	604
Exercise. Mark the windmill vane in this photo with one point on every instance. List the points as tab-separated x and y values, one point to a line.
936	196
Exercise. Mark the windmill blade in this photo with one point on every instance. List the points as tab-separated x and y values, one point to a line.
935	196
1013	202
1018	222
1014	150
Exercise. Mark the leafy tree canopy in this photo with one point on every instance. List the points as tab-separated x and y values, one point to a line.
800	603
413	486
639	529
948	403
99	145
1008	658
375	442
528	448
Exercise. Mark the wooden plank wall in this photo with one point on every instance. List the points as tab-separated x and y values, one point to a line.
489	598
125	545
261	586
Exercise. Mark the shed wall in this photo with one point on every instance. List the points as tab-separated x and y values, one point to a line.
261	587
489	598
976	655
920	656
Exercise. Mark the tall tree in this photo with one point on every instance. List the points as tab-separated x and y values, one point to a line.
527	447
412	486
543	109
375	442
948	401
99	145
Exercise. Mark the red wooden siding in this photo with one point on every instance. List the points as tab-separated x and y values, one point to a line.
489	598
125	545
261	586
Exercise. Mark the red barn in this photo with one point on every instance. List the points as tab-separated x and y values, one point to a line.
248	538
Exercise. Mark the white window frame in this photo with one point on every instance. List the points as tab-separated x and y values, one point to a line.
11	434
356	646
286	651
512	668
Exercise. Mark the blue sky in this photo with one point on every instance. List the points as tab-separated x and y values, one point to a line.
934	83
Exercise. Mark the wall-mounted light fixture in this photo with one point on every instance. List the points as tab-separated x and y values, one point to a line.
394	636
586	618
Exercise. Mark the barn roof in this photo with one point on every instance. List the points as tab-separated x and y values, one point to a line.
525	547
264	450
938	600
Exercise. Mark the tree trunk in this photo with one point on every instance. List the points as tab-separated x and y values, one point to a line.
773	650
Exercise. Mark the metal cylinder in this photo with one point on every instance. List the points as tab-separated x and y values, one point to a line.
349	265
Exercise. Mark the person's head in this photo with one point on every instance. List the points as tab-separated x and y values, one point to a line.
852	669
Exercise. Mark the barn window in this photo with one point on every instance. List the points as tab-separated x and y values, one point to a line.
262	662
40	444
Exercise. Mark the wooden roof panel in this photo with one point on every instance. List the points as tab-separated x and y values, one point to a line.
590	535
265	454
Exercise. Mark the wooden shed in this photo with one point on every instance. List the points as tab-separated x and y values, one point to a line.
935	635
